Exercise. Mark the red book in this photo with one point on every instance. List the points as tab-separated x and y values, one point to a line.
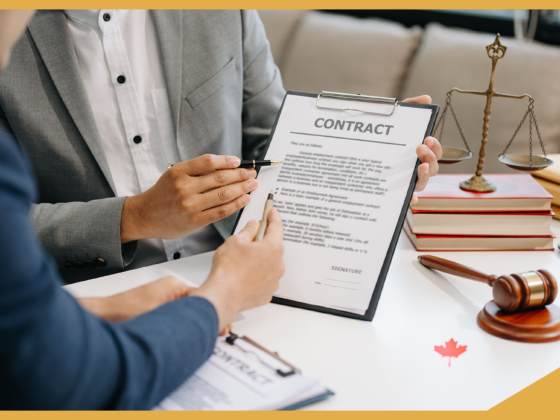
443	243
480	223
515	193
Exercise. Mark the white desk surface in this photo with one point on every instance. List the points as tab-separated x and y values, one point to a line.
390	363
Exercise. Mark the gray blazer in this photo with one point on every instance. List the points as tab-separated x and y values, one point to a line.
224	91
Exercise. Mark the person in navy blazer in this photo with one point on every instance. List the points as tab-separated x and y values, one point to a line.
60	353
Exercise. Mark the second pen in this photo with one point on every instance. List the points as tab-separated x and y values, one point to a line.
255	163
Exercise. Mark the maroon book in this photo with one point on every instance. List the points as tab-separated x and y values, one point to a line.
515	193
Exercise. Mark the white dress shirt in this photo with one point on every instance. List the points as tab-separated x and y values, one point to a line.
122	71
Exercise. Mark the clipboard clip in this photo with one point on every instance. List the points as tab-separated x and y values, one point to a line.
358	97
232	337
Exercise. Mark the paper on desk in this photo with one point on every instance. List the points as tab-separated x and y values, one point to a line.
340	191
234	380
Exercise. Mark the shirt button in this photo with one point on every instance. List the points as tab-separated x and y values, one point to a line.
89	264
68	265
78	264
121	79
177	255
137	139
106	17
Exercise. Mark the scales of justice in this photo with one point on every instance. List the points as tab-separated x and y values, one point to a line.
528	163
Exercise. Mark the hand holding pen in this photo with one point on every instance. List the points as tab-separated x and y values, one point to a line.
245	273
188	196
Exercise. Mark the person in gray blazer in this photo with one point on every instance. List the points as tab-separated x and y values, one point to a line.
105	101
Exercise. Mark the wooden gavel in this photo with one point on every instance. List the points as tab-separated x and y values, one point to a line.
513	293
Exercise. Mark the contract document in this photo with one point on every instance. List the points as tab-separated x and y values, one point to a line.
242	376
342	191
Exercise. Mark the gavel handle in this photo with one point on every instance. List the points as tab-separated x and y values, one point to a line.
456	269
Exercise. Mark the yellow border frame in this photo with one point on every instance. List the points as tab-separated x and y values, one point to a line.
278	4
538	399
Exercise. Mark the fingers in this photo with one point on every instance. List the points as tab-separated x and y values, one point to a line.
220	178
226	194
208	163
434	146
139	300
414	199
220	212
249	231
227	329
427	156
423	176
424	99
172	287
275	228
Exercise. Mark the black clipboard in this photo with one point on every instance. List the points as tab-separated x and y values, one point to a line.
368	316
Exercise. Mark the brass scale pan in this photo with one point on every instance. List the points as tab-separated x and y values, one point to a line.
452	155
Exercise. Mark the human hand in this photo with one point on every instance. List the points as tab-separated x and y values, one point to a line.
181	201
245	273
136	301
139	300
429	153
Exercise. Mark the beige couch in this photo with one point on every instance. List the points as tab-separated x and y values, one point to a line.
320	51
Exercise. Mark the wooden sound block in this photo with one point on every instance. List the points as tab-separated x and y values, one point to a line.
538	326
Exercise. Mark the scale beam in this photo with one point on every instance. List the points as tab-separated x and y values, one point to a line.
472	92
504	95
496	94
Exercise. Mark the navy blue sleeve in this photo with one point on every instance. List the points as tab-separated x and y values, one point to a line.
55	355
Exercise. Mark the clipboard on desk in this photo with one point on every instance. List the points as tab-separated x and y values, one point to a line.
243	375
349	170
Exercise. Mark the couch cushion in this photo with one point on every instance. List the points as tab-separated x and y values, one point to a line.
450	58
279	26
346	54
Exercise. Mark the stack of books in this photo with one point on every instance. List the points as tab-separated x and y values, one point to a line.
549	178
516	217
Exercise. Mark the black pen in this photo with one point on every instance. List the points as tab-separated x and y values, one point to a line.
254	163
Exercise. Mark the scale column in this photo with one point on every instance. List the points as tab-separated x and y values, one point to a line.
478	183
482	154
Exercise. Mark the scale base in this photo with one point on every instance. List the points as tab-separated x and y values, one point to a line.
477	184
538	326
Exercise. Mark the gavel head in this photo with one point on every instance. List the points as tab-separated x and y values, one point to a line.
518	292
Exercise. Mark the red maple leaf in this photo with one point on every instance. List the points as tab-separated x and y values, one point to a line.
450	350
